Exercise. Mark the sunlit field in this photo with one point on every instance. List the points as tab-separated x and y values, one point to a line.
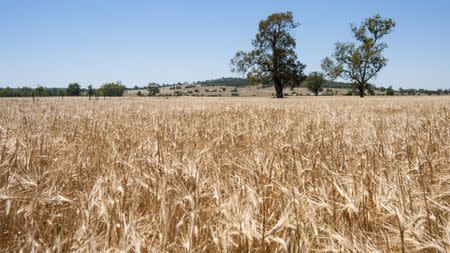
302	174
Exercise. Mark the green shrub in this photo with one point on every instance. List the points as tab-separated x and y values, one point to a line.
390	91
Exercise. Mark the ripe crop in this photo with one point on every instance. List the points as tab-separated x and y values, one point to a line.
225	175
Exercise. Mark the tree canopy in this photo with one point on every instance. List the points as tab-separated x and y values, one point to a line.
73	89
362	62
153	89
273	59
314	82
112	89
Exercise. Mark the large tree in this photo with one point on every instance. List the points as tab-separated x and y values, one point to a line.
360	61
273	59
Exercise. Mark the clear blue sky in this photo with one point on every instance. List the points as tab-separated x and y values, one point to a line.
54	42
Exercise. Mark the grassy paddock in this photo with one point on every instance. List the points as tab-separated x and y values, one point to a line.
225	174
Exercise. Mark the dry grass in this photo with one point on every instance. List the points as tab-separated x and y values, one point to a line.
225	175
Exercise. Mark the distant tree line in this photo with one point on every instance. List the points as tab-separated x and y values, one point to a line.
225	81
314	83
116	89
412	92
29	92
334	84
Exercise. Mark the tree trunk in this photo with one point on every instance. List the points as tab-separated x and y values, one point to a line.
278	88
361	90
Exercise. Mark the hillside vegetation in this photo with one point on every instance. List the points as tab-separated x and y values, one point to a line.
225	175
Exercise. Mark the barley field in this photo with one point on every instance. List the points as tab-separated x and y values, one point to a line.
302	174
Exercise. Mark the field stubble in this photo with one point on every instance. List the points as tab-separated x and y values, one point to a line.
228	174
